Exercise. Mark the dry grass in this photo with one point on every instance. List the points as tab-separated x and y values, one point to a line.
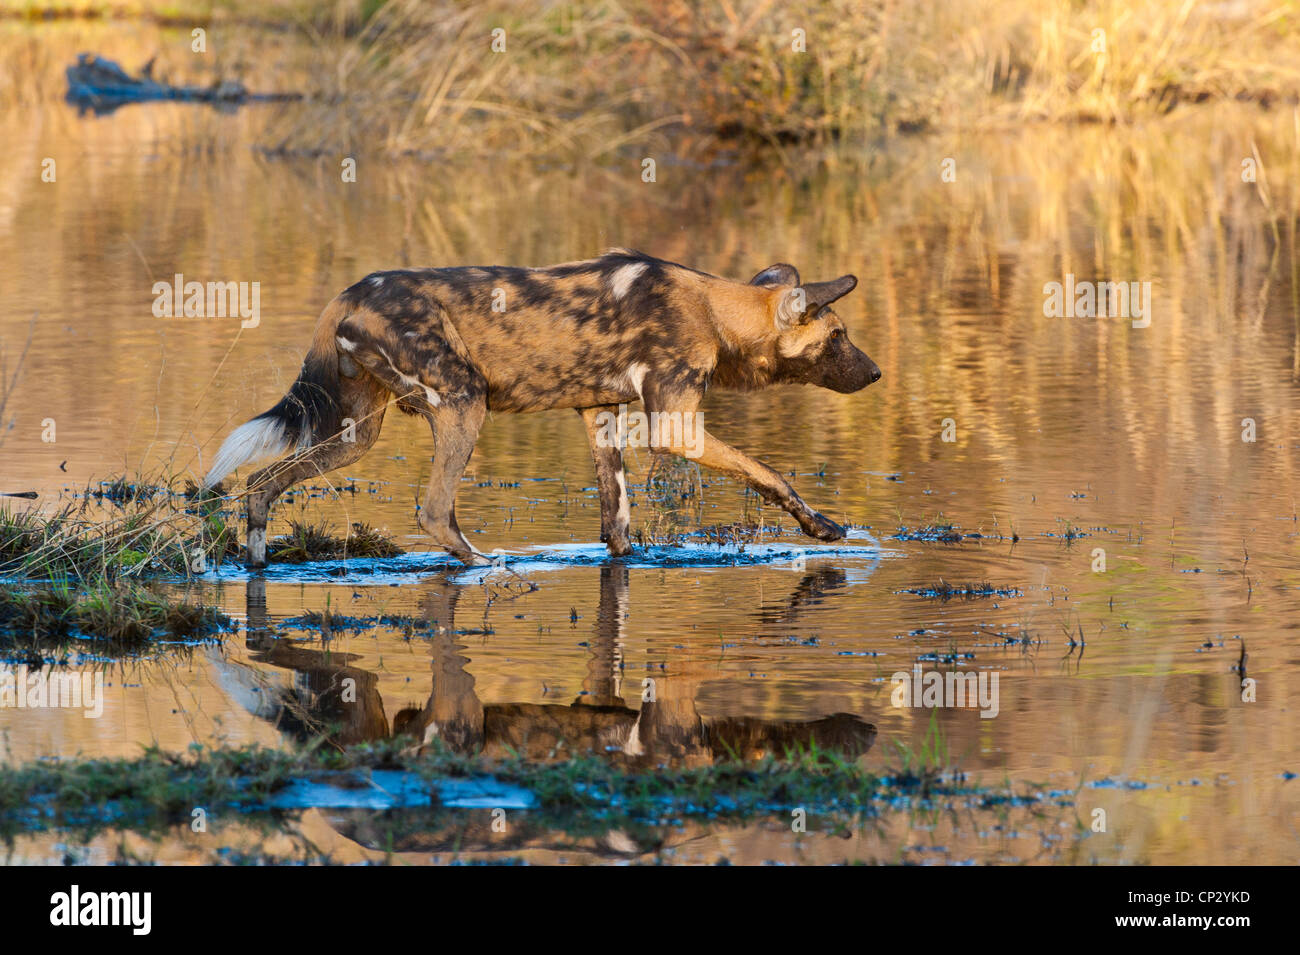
421	78
1109	61
609	75
192	11
884	65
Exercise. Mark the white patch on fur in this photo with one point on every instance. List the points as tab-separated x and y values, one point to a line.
376	280
624	517
414	384
346	345
621	281
635	376
257	545
430	395
630	380
633	745
253	441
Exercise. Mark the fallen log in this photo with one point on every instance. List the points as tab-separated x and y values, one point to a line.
101	84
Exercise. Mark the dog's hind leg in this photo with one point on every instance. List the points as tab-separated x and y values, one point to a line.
455	429
334	452
615	513
430	372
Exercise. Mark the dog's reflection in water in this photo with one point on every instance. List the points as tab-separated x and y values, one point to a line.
328	695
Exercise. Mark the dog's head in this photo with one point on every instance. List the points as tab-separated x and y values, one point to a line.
812	344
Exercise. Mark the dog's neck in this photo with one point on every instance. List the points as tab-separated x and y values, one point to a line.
748	366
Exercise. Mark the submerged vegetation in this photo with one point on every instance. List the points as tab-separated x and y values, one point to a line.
157	788
944	590
76	577
306	541
84	575
111	618
153	532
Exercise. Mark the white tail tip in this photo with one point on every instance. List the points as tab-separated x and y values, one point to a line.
258	439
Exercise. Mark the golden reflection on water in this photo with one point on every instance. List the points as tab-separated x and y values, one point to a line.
1131	435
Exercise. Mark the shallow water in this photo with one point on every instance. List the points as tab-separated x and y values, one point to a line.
1071	434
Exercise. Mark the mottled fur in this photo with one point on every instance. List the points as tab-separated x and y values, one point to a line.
450	344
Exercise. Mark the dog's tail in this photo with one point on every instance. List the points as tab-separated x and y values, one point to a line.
308	414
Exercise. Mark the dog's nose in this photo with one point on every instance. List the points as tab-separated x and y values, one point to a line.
875	374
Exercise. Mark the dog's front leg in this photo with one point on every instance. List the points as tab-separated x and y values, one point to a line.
676	428
774	489
615	512
716	455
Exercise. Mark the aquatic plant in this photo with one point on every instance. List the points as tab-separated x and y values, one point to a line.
158	788
317	541
104	618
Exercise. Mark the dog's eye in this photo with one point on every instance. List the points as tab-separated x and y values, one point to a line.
838	333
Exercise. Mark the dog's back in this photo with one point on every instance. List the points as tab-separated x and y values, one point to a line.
568	336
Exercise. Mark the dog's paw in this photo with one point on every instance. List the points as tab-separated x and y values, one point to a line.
619	547
822	528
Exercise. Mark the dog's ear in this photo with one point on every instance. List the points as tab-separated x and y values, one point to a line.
820	294
803	304
776	275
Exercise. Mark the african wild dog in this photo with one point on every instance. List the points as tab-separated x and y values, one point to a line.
586	335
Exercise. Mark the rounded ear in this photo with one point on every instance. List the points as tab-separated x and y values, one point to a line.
774	275
820	294
802	304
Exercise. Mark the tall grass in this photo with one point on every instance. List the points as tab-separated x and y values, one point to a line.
881	65
423	78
